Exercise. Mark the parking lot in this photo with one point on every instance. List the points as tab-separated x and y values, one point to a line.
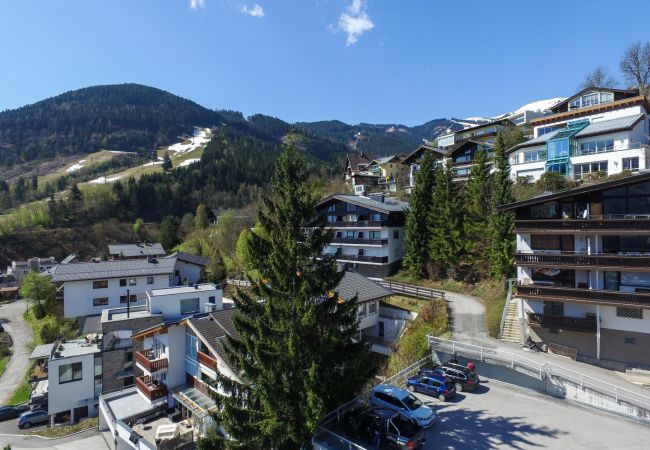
500	415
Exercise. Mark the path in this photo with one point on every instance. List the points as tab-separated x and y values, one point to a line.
11	317
91	439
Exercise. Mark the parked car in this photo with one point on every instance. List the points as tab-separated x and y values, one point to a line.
2	329
29	418
463	378
434	385
398	432
401	400
11	412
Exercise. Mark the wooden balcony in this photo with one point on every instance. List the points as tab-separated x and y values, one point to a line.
359	241
151	388
582	261
562	294
149	362
566	323
603	225
207	360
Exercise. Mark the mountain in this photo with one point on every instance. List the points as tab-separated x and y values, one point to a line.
128	117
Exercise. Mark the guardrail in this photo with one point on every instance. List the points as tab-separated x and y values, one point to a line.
410	290
540	370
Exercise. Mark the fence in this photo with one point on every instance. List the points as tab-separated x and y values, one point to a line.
411	291
541	370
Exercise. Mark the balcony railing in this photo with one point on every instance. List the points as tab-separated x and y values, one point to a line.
206	360
576	151
151	388
362	258
359	241
358	223
626	223
568	323
148	360
580	260
550	293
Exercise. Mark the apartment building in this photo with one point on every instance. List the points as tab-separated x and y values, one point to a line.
596	132
583	269
372	173
368	232
18	269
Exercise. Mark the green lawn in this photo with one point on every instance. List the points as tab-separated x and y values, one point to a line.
24	390
3	364
405	303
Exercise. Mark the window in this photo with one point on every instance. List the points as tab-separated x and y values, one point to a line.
212	299
534	155
557	149
629	340
593	147
190	345
134	298
629	313
590	99
189	305
580	170
372	308
149	280
331	208
395	234
133	281
631	164
100	301
349	234
544	242
331	219
122	282
606	97
70	372
360	235
375	216
100	284
374	234
360	252
553	308
362	310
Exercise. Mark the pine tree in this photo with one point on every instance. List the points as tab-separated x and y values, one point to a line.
167	162
446	243
418	218
476	204
501	223
295	348
169	233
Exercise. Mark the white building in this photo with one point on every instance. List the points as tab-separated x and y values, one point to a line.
597	131
368	232
139	250
583	269
73	378
18	269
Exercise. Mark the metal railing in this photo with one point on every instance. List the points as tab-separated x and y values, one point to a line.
629	222
362	258
585	295
359	241
504	313
540	370
575	259
410	290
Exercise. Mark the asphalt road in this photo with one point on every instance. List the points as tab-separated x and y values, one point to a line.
11	318
91	439
501	416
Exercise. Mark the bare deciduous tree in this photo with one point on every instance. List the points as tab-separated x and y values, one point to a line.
635	65
600	78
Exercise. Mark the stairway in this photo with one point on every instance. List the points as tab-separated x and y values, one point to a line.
512	326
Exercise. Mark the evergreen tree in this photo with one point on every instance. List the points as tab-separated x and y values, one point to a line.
138	228
75	193
446	243
201	217
169	233
418	218
167	162
501	223
476	203
296	348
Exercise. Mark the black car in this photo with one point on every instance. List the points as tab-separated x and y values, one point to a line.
2	329
397	431
464	379
11	412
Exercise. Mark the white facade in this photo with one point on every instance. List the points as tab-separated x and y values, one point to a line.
368	313
187	273
18	269
175	302
86	298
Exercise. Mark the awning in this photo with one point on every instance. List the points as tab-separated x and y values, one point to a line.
196	401
42	351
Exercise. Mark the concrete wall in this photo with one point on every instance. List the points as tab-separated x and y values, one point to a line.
78	295
170	305
67	396
190	273
370	320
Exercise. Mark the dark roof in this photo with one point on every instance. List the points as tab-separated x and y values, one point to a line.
113	269
465	142
367	290
630	92
632	179
388	205
354	159
191	259
139	249
213	329
415	154
503	120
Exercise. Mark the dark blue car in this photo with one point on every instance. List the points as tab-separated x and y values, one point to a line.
434	385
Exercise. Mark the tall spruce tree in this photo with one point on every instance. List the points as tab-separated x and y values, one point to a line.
446	228
501	223
416	254
476	203
296	347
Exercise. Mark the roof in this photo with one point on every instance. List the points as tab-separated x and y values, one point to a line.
608	126
590	110
367	290
388	206
42	351
113	269
78	347
539	140
419	151
465	142
632	179
559	105
385	159
503	120
183	289
355	159
190	258
213	329
139	249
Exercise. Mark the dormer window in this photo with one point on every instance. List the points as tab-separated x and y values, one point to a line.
592	98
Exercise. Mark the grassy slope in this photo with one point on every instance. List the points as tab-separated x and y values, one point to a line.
91	159
3	364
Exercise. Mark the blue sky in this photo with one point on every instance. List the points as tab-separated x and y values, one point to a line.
378	61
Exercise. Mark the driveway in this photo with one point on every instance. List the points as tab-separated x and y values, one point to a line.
468	317
91	439
11	317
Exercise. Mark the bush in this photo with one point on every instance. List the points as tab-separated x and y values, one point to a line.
39	310
49	332
4	351
552	182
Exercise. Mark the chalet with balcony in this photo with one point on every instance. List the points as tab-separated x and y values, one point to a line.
583	268
413	160
368	232
596	132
